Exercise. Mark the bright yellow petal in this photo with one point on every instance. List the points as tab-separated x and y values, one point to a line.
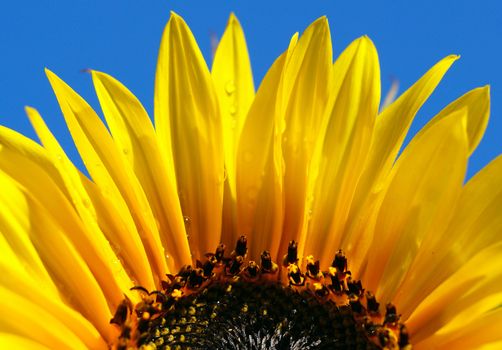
475	225
468	294
109	169
393	123
41	185
131	247
233	82
65	264
390	130
21	282
25	318
425	181
11	341
133	132
477	104
342	146
259	195
189	127
303	97
474	316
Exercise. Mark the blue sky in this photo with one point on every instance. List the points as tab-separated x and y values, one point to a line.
121	37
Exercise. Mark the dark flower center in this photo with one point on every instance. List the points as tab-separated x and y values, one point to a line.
228	302
253	316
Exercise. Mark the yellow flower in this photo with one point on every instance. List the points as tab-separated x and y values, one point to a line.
306	166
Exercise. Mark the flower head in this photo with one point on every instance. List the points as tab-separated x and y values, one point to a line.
284	218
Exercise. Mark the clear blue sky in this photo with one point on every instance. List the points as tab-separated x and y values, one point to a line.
121	37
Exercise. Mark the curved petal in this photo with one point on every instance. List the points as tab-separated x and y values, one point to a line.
475	225
189	128
303	96
342	146
477	104
109	169
259	181
131	248
41	185
132	131
12	341
425	181
465	296
233	83
21	282
63	261
390	130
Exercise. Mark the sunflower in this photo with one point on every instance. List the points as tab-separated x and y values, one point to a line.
285	219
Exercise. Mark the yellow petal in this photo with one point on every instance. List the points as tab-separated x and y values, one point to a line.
465	296
259	194
342	146
425	180
41	185
393	123
390	130
477	104
475	225
233	82
15	245
22	283
109	169
28	320
476	334
133	132
11	341
131	249
303	97
189	128
67	268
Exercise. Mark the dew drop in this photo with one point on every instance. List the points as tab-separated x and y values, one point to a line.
116	266
309	214
230	87
233	109
86	203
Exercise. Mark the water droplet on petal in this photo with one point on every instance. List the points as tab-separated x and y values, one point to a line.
233	109
86	203
230	87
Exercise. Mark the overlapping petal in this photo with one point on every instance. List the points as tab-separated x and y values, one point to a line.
189	128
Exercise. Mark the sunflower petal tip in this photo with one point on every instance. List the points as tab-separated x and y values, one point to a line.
321	22
174	17
232	18
29	110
